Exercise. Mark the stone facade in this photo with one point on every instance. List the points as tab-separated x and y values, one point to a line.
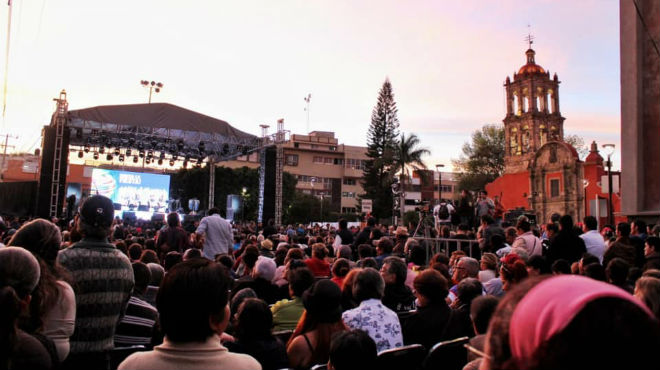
543	171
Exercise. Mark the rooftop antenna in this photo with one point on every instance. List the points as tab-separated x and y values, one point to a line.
307	99
529	38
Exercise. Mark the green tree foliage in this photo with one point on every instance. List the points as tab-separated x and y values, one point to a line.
381	147
306	208
482	161
408	156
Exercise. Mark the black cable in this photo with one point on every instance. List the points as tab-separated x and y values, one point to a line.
641	18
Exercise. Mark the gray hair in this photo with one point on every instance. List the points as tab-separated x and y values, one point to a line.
396	266
471	266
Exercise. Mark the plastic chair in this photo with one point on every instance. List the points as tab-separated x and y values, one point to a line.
319	367
406	357
447	355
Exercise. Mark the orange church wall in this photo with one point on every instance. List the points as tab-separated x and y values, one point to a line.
513	189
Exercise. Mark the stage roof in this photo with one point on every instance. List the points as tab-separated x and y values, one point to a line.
129	125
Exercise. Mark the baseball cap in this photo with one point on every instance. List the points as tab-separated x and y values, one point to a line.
97	211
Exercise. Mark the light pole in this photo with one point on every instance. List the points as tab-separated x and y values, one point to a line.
243	194
437	168
153	86
609	150
307	99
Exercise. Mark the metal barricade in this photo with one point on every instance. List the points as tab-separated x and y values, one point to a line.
446	246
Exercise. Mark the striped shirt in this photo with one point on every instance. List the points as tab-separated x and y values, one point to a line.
138	324
103	281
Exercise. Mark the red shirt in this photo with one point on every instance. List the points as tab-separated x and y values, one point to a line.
318	267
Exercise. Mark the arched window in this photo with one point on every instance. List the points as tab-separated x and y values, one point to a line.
551	100
514	148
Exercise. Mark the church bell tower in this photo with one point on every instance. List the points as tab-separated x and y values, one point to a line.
532	117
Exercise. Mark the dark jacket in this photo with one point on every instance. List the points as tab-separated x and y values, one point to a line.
652	261
398	298
362	238
621	248
430	325
566	245
270	352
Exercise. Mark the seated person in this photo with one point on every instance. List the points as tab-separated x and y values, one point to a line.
317	264
590	325
371	315
481	311
310	342
433	322
192	304
398	296
253	335
138	324
352	350
261	281
286	313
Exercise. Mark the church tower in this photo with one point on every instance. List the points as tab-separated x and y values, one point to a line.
532	117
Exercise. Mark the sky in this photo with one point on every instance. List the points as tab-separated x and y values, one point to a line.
253	62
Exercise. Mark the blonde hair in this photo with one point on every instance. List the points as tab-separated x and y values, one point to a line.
647	289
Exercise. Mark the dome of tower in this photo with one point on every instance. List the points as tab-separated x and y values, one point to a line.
531	66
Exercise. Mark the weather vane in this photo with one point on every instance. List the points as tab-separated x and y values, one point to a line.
530	38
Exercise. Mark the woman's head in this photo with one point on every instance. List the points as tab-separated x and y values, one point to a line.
368	284
430	287
488	261
647	290
512	271
570	322
340	267
254	320
40	237
20	270
323	302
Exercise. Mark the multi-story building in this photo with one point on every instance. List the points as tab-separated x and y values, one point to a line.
422	191
324	168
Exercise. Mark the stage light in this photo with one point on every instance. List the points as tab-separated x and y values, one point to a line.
131	141
80	154
135	159
117	151
147	161
225	149
141	153
79	133
128	152
108	157
174	157
179	144
86	149
171	162
162	155
201	147
160	162
102	150
150	153
96	156
140	146
121	158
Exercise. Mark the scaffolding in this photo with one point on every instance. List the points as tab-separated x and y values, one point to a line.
59	123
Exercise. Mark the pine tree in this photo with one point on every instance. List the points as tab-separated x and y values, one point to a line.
381	148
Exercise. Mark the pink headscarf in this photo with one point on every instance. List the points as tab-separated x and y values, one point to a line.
550	306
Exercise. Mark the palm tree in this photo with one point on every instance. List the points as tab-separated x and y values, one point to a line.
408	155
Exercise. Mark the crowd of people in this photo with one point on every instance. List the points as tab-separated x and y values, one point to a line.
216	295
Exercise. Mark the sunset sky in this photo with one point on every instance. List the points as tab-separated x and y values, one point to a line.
252	62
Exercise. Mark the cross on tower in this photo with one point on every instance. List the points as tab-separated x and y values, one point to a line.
529	38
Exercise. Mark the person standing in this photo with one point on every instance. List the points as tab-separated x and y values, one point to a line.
219	237
465	211
484	205
593	241
102	282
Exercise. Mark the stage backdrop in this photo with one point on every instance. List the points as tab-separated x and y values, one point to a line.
132	190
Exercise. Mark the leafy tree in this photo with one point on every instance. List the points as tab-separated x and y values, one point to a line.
482	161
381	148
306	207
408	156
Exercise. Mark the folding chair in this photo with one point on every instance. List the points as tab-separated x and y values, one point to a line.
447	355
406	357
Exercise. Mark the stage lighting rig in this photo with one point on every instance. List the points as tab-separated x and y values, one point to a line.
153	87
96	156
80	154
135	159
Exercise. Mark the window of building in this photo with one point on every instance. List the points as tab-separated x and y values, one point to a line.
318	159
339	161
333	148
291	160
328	160
296	145
554	187
446	188
349	210
348	194
356	164
349	181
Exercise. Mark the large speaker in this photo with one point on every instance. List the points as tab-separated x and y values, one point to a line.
48	135
269	184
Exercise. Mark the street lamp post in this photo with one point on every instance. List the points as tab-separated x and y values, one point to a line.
437	168
609	150
243	194
153	86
